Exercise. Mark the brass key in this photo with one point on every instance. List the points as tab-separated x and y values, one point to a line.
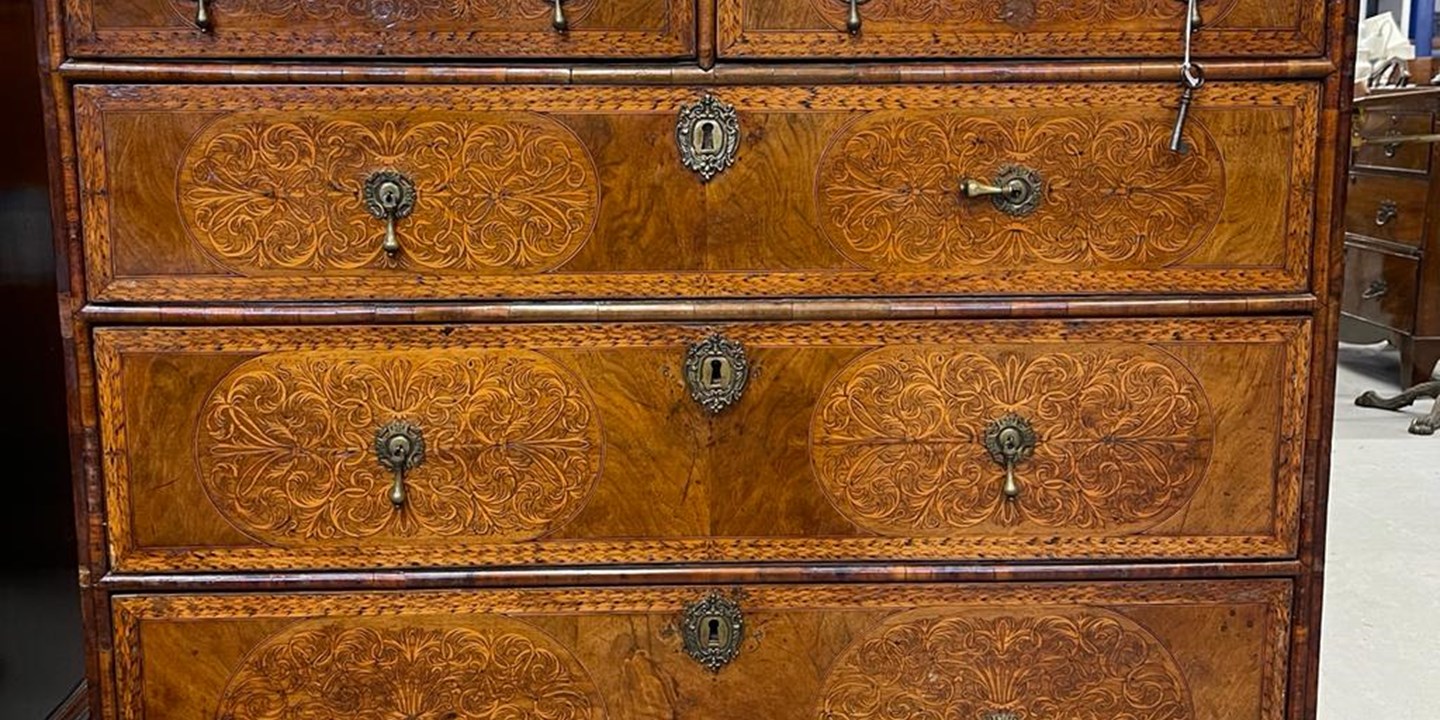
1194	78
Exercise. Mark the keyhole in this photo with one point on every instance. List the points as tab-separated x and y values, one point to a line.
706	142
712	634
717	372
399	449
1010	442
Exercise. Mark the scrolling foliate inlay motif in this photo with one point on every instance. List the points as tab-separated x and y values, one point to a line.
1072	663
285	446
398	14
389	669
1036	15
497	193
1124	436
1114	195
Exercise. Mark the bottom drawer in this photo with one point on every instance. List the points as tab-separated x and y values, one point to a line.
1143	651
1380	288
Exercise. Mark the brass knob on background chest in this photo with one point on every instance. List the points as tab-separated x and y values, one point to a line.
1386	213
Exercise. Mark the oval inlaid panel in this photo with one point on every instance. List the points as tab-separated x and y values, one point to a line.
385	669
1114	196
280	193
286	442
1028	15
1124	436
979	664
398	15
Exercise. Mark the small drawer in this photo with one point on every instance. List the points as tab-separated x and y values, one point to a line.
1380	288
419	446
1024	28
267	193
1386	207
319	29
1378	124
1171	650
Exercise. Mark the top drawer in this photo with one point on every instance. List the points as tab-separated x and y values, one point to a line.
649	29
1028	28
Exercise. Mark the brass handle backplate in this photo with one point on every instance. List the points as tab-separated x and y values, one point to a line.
1377	289
390	196
1011	440
1017	190
1386	213
400	448
712	629
708	135
716	371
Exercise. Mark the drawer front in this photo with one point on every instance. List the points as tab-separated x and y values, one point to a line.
984	28
314	29
1386	207
261	192
1165	651
1380	287
1377	124
261	448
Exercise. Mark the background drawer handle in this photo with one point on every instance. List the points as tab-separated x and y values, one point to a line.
1016	192
1387	212
1377	289
1011	441
716	371
390	196
400	448
202	15
712	628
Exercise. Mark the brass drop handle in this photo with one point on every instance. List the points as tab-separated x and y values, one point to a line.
1010	441
1387	212
558	21
1196	20
400	448
202	15
1016	191
853	20
1376	289
390	196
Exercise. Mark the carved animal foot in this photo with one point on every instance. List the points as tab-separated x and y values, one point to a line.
1421	426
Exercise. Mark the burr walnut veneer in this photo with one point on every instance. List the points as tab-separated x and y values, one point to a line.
628	359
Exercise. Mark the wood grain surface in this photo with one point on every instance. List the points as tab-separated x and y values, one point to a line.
255	192
1158	651
252	448
1024	28
497	29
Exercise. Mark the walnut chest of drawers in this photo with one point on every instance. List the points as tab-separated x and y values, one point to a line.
1392	238
700	359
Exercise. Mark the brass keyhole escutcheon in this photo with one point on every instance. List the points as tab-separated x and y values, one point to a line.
716	371
1010	440
712	629
1017	190
390	196
400	448
708	136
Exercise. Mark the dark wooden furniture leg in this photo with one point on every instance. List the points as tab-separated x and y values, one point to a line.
1421	426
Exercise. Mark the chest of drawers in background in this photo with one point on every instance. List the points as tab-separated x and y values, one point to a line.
1392	276
653	358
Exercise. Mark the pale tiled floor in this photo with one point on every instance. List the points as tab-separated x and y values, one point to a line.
1380	656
